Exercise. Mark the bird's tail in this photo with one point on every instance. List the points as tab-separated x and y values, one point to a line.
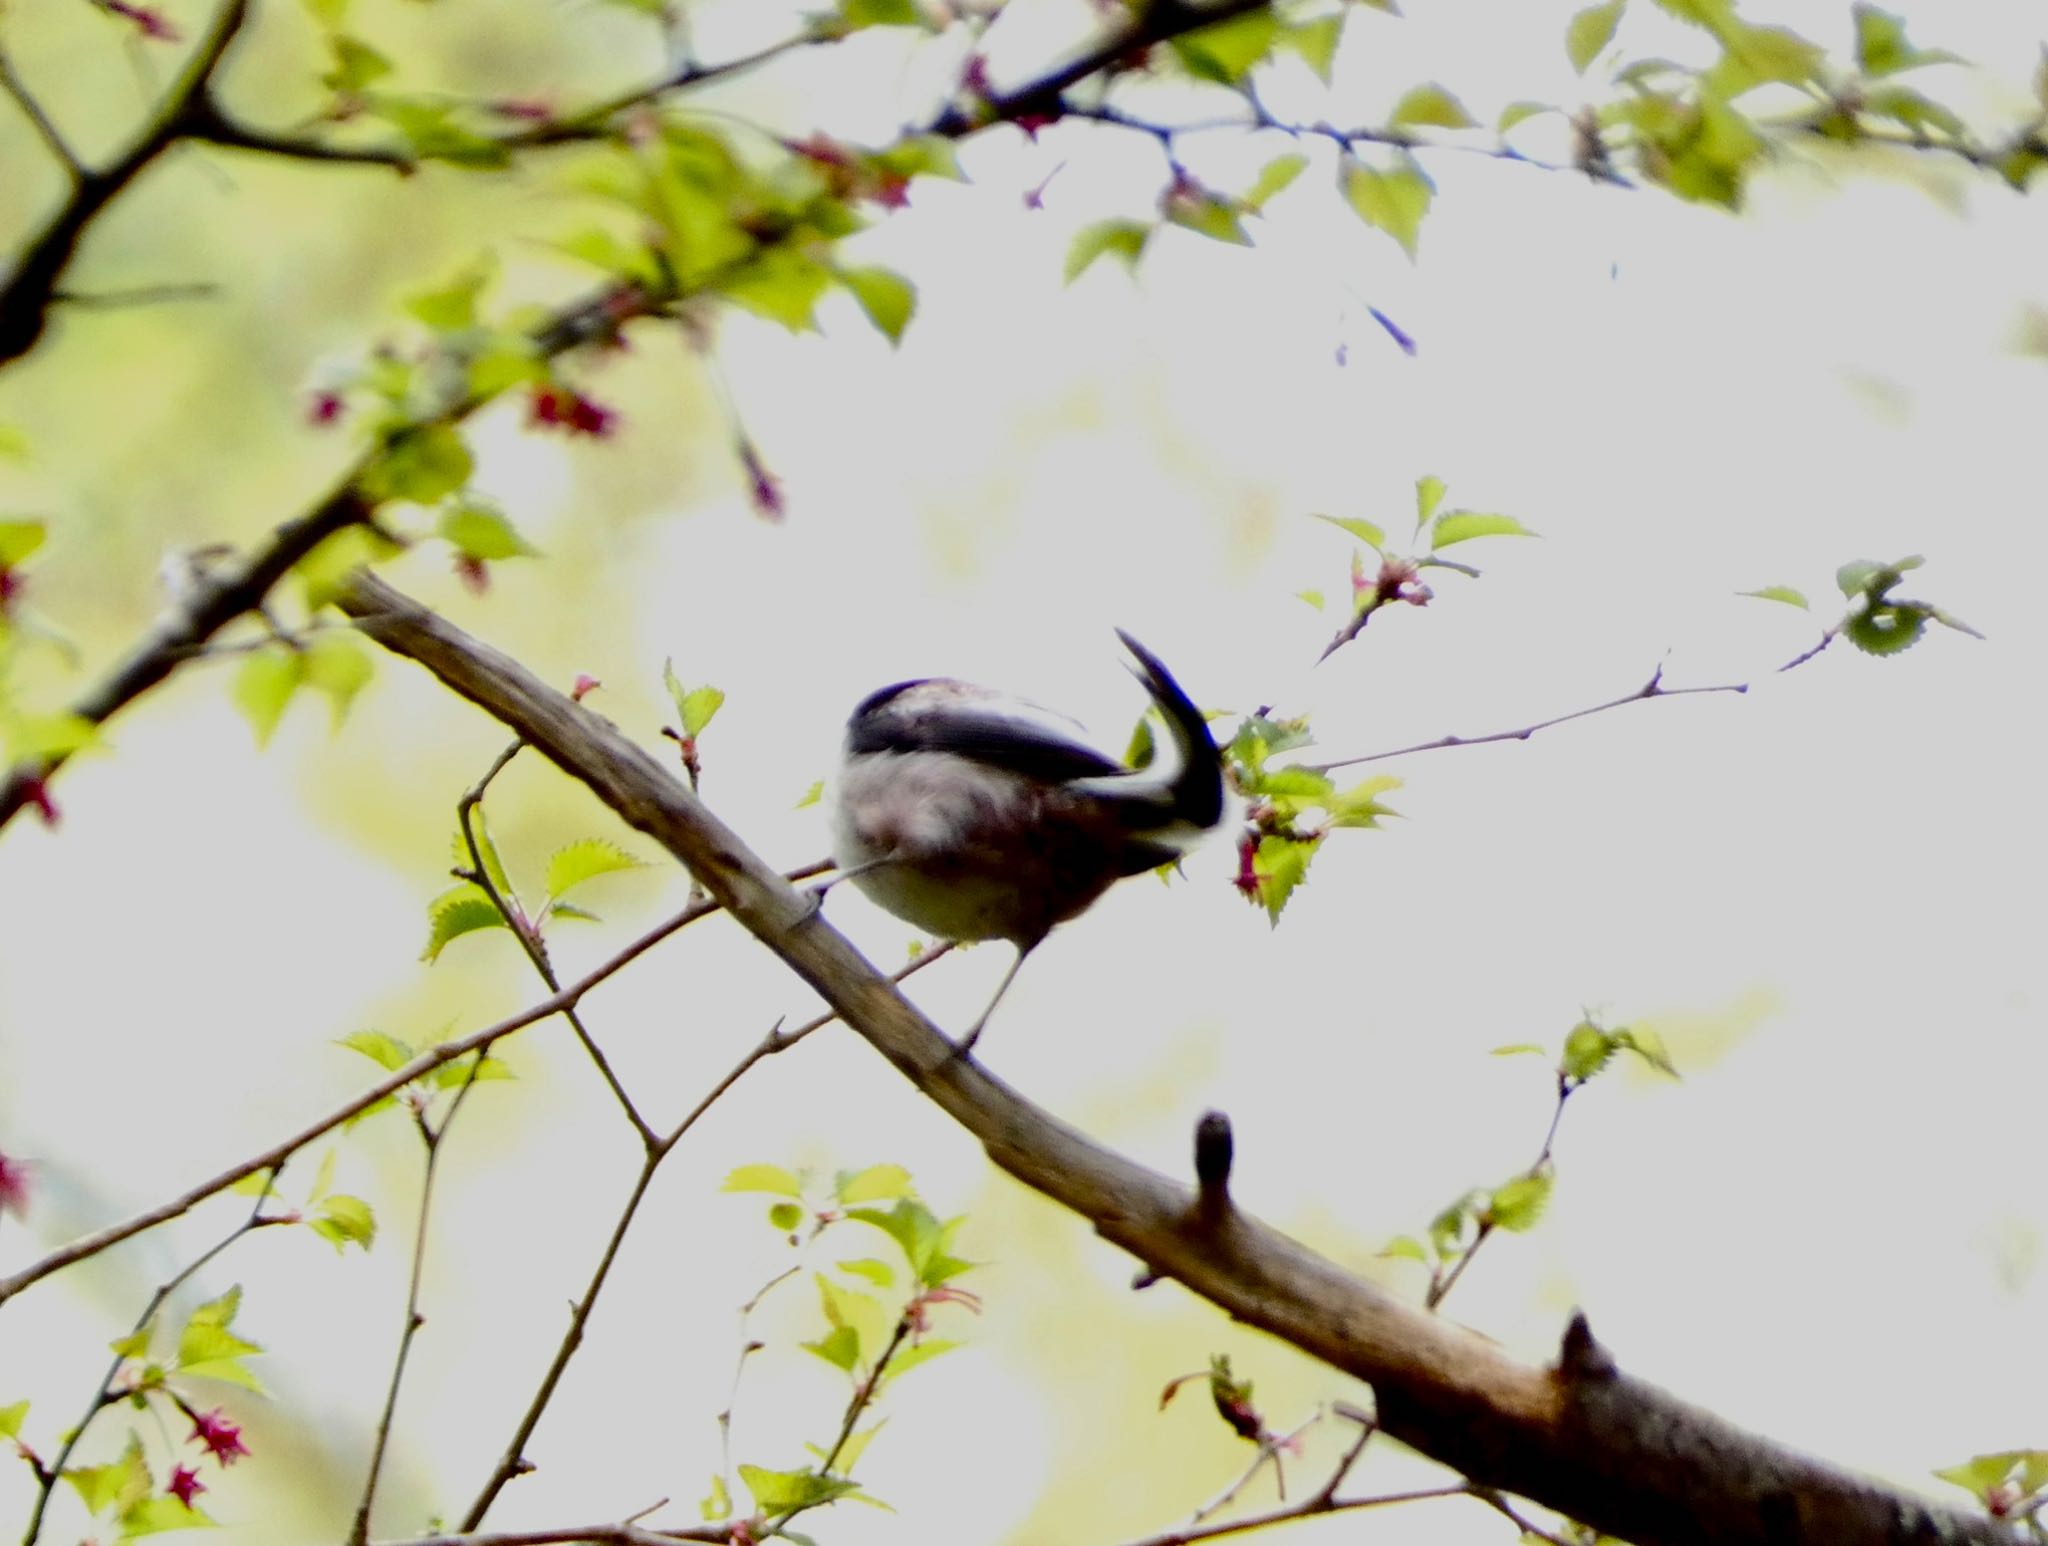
1176	799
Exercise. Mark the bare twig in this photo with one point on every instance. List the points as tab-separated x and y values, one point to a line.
573	1535
1281	1516
53	140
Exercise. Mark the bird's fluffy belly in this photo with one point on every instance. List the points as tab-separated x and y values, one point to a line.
975	852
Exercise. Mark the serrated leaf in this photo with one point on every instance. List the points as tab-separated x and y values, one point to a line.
877	1183
1430	104
1364	531
1587	1050
1463	525
263	687
209	1349
585	860
386	1051
1281	865
461	910
1887	628
1122	239
839	1347
346	1221
763	1178
476	531
695	706
1784	593
886	296
18	539
1590	31
1519	1204
1394	202
1273	178
1405	1248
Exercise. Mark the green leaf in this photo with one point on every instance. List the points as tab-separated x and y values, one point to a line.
381	1048
717	1502
919	1234
1227	51
1981	1474
1405	1248
1281	865
1272	179
1649	1046
785	1216
908	1358
12	1417
783	1492
1755	56
1887	628
1394	201
1520	1203
452	307
431	132
1314	598
1918	113
782	285
856	14
875	1271
1429	493
18	539
763	1178
839	1347
812	795
1364	531
356	65
1123	239
1464	525
158	1512
1359	806
1589	32
424	465
1881	46
886	296
461	910
1207	214
1519	112
326	569
209	1349
470	1068
116	1486
337	665
877	1183
1316	41
1518	1049
585	860
695	706
1432	105
860	1313
855	1446
1784	593
344	1221
477	531
264	684
1587	1050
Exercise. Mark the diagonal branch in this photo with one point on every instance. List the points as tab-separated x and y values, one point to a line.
1584	1438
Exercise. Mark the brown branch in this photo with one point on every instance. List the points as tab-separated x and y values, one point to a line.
1583	1438
1308	1510
574	1535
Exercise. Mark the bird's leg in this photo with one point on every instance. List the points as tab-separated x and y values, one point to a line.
966	1043
817	893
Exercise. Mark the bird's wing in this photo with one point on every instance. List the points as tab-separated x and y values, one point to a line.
989	728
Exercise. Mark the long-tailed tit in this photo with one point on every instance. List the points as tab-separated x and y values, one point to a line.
976	815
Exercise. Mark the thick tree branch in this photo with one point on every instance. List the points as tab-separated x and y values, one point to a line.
1583	1438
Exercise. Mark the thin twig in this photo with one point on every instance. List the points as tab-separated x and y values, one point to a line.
1440	1287
1270	1449
52	138
1281	1516
1494	1500
573	1535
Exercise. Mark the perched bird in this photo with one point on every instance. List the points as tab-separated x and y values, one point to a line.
976	815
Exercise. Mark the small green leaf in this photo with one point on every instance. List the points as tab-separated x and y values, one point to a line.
582	861
1122	239
1364	531
452	307
1464	525
1649	1046
1313	597
263	688
1784	593
839	1347
326	569
1881	46
337	665
356	65
1887	628
875	1271
717	1504
1520	1203
855	1446
1586	1051
781	284
877	1183
18	539
386	1051
209	1349
1405	1248
460	910
116	1486
470	1068
1281	865
763	1178
908	1358
1432	105
1276	175
424	465
1316	41
856	14
11	1418
782	1492
344	1221
1227	51
1359	806
812	795
1520	112
1207	214
1590	31
886	296
1429	493
785	1216
1518	1049
1394	201
158	1512
695	706
477	531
